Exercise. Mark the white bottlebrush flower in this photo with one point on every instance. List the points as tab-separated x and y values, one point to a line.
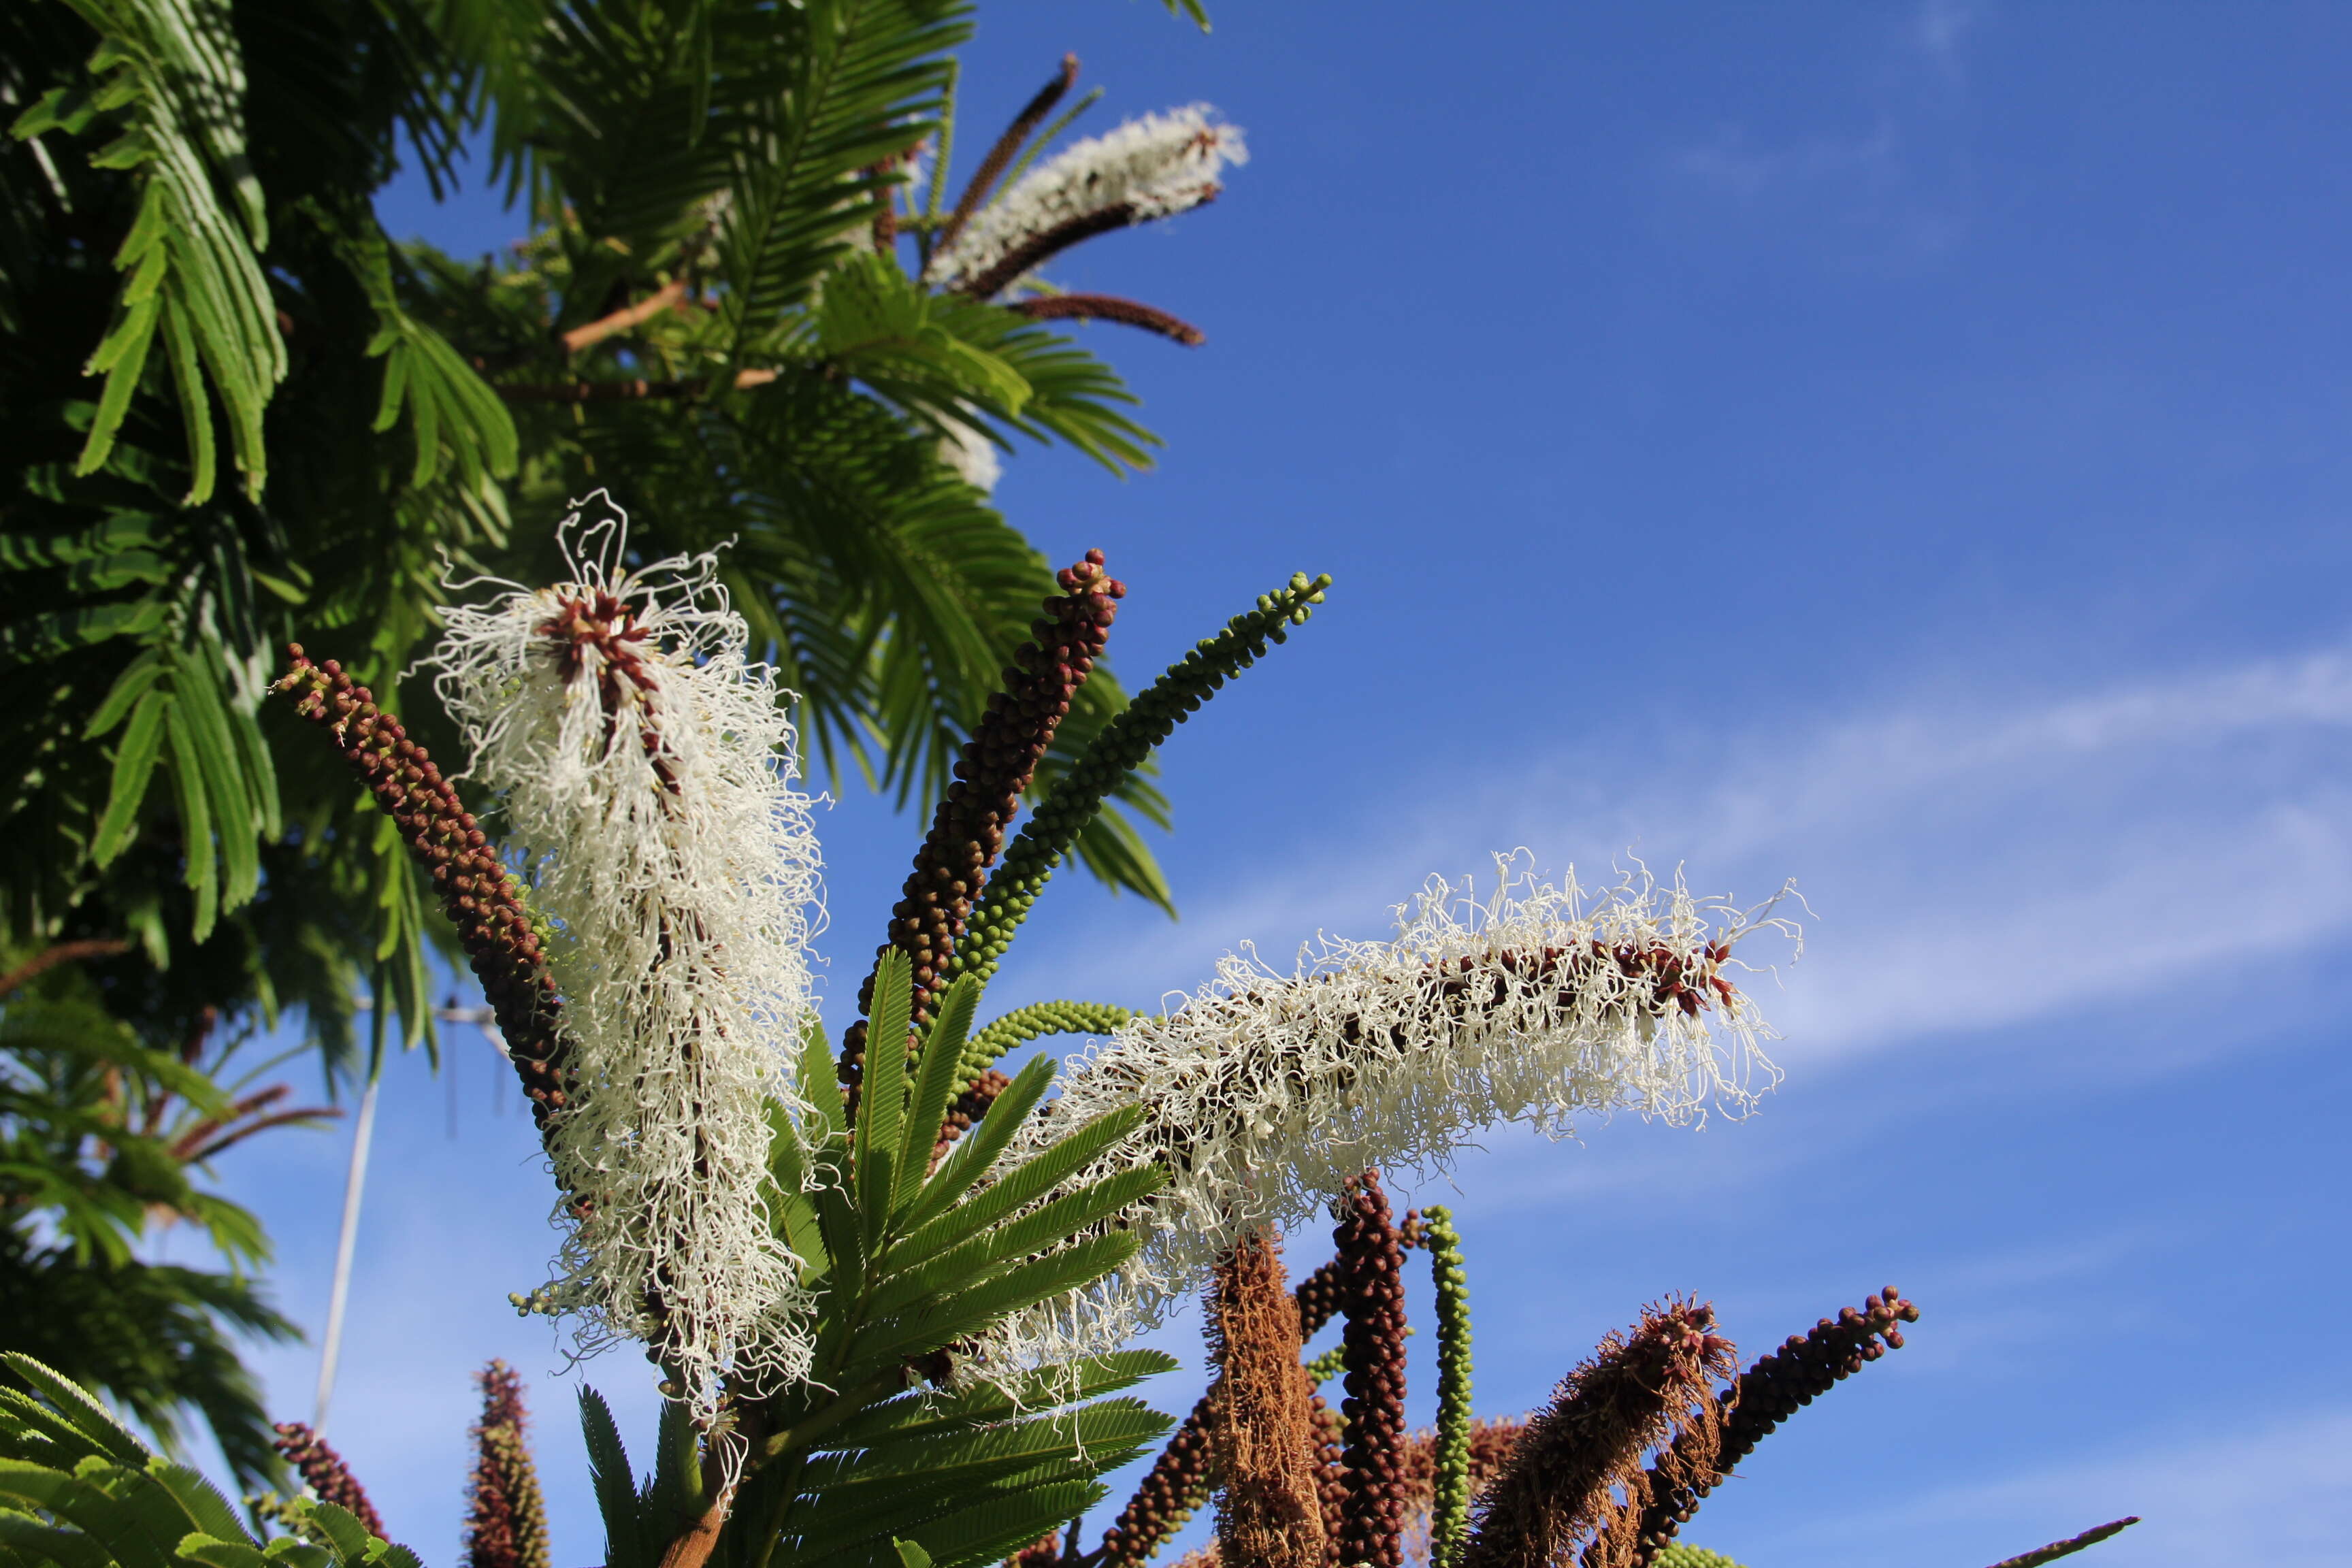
1152	167
1265	1092
644	767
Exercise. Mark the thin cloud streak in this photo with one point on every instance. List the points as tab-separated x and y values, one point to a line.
1976	859
2276	1493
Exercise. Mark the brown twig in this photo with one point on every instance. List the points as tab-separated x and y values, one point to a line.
1043	247
623	391
985	178
63	953
1110	308
625	319
2068	1547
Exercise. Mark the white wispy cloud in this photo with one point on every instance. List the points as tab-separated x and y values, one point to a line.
1977	858
2277	1493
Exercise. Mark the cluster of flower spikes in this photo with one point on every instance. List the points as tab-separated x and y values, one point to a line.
967	827
1078	797
475	891
1804	1368
1371	1288
1179	1483
1265	1091
1578	1455
505	1517
323	1471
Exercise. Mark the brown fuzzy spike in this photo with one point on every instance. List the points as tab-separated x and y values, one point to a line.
323	1471
1712	1438
1559	1485
1262	1437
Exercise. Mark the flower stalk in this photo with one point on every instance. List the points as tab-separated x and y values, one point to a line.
1371	1288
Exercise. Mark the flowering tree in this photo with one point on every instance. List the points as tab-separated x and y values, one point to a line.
892	1293
239	412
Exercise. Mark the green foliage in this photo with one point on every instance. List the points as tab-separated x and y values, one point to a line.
1113	755
79	1491
876	1452
100	1139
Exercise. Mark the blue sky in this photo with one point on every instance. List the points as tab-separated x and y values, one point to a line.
1898	448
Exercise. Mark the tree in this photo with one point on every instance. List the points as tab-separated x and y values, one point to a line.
238	414
234	411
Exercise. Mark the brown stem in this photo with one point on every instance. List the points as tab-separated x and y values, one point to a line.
2068	1547
625	319
1110	308
692	1549
63	953
237	1135
624	391
1041	248
1008	144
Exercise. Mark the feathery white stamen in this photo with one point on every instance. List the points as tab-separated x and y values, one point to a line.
1265	1092
1160	164
644	767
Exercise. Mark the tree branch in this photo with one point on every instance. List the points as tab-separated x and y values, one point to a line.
622	320
63	953
624	391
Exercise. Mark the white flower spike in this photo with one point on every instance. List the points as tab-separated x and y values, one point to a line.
646	766
1265	1092
1156	167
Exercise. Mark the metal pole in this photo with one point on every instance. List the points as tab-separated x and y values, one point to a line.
354	1184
